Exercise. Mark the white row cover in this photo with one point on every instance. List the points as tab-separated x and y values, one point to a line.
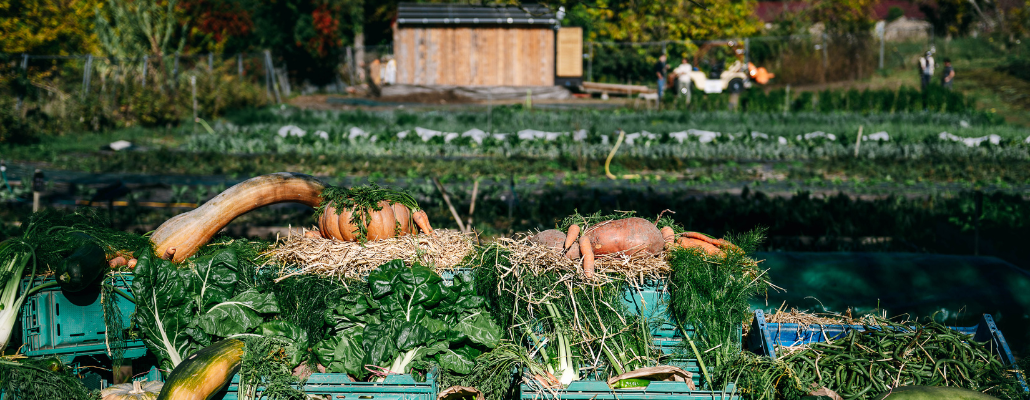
973	142
702	136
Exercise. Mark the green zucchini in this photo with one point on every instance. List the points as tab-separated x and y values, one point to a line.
82	268
205	373
933	393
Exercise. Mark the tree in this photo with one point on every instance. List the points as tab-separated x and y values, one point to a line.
130	29
215	22
846	16
949	17
47	27
658	20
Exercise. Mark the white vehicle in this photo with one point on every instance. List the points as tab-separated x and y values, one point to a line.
732	80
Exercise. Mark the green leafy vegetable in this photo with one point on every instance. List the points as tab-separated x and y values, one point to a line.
182	309
407	317
41	379
712	293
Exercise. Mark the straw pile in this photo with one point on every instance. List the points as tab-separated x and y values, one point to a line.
540	259
443	250
794	316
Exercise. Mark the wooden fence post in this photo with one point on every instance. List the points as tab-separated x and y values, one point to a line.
86	75
193	84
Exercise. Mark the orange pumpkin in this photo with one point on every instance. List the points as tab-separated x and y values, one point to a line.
391	220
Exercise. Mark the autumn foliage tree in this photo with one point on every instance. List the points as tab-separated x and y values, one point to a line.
47	27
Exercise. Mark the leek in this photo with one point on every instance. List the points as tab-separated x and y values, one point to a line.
15	255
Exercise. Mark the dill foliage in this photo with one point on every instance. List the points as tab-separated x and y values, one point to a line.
41	379
495	374
305	301
712	293
51	233
266	363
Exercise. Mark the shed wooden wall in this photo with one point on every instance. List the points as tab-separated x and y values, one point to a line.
472	56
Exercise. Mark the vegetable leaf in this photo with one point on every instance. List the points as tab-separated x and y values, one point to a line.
480	328
229	318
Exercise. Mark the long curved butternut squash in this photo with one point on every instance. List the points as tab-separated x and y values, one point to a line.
181	236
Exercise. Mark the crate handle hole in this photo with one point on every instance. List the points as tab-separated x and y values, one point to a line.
57	308
58	329
366	397
77	334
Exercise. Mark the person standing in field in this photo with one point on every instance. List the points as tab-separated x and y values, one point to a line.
948	75
926	69
659	70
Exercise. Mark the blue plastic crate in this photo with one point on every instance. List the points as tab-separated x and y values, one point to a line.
765	336
55	325
599	390
340	386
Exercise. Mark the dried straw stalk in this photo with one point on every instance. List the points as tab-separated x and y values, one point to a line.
539	259
298	254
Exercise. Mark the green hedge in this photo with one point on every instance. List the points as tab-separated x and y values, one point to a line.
904	99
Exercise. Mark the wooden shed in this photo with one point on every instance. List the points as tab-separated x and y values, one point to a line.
470	45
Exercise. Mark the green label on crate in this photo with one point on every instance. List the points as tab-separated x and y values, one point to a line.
631	383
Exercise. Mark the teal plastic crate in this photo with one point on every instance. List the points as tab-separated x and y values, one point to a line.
56	325
340	386
764	336
599	390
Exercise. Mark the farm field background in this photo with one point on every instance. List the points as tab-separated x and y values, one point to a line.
813	194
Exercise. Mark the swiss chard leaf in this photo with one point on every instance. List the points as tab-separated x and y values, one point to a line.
480	328
215	278
325	350
380	342
457	362
412	334
229	318
283	330
263	303
349	353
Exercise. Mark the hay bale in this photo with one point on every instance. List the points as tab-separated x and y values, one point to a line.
443	250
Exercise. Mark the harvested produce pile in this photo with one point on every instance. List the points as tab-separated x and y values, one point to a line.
574	324
442	250
579	326
883	356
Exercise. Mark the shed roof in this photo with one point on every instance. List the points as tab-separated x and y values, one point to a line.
467	14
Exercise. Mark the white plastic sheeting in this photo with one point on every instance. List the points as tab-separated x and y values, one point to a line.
818	134
878	136
293	130
971	142
632	137
702	136
533	134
